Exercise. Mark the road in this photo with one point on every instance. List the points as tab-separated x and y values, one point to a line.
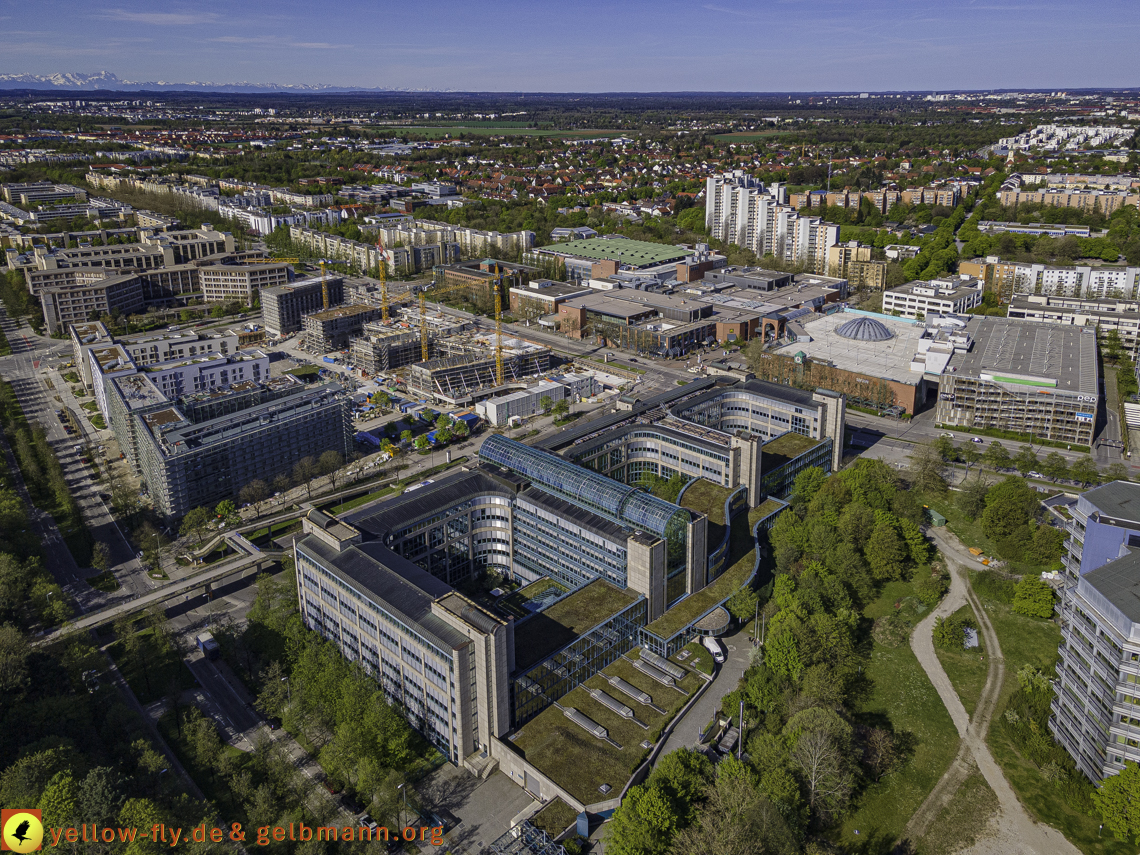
248	565
31	363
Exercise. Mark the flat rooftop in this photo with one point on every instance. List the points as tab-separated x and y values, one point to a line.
707	498
888	359
1119	582
549	631
1119	500
112	358
785	447
1031	353
636	253
341	312
138	391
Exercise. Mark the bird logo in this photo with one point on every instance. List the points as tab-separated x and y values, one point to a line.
21	830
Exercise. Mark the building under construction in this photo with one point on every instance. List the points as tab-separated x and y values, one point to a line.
331	329
469	374
383	348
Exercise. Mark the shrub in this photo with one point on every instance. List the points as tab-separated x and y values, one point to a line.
950	632
1033	598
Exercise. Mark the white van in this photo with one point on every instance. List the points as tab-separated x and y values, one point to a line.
713	647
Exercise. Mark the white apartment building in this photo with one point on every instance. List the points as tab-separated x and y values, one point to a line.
207	371
741	210
919	299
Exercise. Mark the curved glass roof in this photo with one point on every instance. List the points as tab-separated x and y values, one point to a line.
621	503
864	329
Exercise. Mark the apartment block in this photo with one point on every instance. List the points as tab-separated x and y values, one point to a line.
42	193
740	210
920	298
1095	713
431	249
1008	279
1105	201
1102	315
283	306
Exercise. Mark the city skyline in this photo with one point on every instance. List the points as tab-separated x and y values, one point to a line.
883	45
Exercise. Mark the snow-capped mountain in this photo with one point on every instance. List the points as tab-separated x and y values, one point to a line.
109	81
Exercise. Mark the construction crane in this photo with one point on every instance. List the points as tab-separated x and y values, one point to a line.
285	260
439	291
324	286
383	281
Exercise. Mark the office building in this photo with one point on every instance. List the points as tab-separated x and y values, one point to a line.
523	404
1096	704
202	447
937	297
541	297
42	193
242	282
283	306
1033	379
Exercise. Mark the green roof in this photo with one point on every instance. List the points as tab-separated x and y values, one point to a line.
550	630
636	253
785	447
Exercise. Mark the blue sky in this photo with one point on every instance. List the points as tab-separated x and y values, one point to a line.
585	45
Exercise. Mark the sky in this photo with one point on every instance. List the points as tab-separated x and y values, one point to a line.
585	45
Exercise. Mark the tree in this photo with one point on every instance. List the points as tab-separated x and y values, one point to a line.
545	403
195	522
1084	471
282	483
945	448
927	466
950	632
330	463
443	435
972	497
644	823
742	604
1115	472
996	456
226	510
461	429
1026	460
1033	597
1010	504
101	556
806	485
1113	347
561	409
820	761
406	436
1055	466
1118	802
885	551
254	493
969	454
421	443
304	471
59	802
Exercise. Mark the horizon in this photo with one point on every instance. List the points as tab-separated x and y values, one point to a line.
780	47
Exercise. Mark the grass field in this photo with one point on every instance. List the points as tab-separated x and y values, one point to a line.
359	500
750	136
899	693
966	669
963	820
1034	641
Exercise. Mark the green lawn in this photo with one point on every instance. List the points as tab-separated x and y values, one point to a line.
550	630
359	500
555	818
90	406
1034	641
699	659
784	448
967	669
263	536
900	694
707	498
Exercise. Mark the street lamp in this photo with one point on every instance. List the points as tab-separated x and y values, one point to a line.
404	814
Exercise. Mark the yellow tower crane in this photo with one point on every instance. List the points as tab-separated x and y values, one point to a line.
324	286
383	281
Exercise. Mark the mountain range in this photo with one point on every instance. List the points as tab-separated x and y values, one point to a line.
108	81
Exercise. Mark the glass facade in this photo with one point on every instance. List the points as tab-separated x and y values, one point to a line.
539	687
779	482
548	545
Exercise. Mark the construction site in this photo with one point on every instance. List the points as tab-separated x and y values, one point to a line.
472	372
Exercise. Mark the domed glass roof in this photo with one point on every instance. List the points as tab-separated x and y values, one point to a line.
864	329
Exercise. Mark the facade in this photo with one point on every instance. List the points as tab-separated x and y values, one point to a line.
1095	713
241	281
468	377
206	446
427	250
331	329
90	297
283	306
498	411
937	297
207	371
852	261
1009	279
740	210
1103	315
1105	201
542	297
1024	377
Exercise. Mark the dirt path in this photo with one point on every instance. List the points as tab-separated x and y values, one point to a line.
1013	830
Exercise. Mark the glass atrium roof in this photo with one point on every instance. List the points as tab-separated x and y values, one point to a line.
621	503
